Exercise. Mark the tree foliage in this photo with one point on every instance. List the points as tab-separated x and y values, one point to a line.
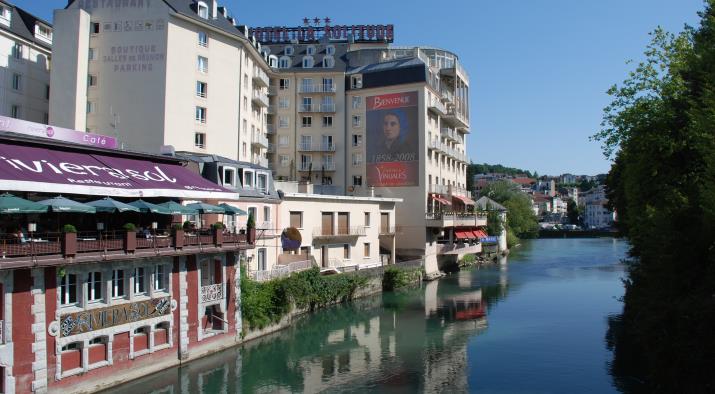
520	218
660	131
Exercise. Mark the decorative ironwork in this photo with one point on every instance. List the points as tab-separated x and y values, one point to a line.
213	292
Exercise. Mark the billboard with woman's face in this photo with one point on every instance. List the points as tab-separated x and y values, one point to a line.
392	140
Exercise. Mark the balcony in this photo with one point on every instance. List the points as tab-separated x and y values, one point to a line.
260	77
447	97
455	219
316	88
455	117
388	230
449	134
271	148
436	106
304	167
261	161
212	293
272	90
338	232
260	99
316	147
435	144
322	108
271	110
438	189
270	129
259	140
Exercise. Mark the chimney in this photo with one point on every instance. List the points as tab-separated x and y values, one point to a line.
305	187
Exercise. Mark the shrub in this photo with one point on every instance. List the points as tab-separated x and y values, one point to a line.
395	278
68	228
129	227
217	226
177	226
469	259
251	222
188	226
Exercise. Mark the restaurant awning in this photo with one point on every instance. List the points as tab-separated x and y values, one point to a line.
480	233
439	199
464	200
463	235
40	169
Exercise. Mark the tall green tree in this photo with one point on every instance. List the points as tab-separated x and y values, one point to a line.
520	219
660	131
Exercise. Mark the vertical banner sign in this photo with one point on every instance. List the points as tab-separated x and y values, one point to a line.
392	140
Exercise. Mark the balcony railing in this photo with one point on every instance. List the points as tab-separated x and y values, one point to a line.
449	133
435	144
438	189
304	147
317	88
271	148
452	219
436	105
280	271
317	167
271	110
317	108
260	140
260	77
215	292
260	98
323	232
272	90
261	161
270	129
388	230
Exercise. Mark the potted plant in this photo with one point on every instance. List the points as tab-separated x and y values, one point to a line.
129	237
251	229
188	226
69	241
217	232
177	236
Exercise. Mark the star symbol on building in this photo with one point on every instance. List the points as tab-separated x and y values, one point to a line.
316	21
327	20
306	21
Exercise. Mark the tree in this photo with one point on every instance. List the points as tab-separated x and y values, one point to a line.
520	219
573	211
660	131
494	222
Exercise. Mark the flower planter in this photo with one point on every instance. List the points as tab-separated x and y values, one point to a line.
69	244
130	241
177	239
251	236
217	236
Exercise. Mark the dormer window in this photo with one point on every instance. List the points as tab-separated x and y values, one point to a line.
356	82
330	50
43	32
284	62
328	62
4	15
248	179
307	62
289	50
203	10
228	176
310	50
272	61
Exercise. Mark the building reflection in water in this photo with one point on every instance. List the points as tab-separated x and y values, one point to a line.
415	340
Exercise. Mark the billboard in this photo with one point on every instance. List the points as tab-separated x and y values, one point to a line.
392	140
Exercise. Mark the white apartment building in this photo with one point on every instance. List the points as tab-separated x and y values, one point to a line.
26	47
597	214
158	73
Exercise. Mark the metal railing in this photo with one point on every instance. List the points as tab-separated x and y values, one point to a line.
338	231
260	98
260	77
454	215
317	108
316	147
261	161
317	88
272	90
317	167
436	105
280	271
214	292
270	129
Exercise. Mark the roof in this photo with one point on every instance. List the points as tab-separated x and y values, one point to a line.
298	196
524	181
390	65
485	203
22	24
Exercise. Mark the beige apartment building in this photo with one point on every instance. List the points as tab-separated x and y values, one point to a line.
161	73
26	47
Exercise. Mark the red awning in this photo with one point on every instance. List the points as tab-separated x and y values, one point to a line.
464	200
480	233
470	235
441	200
461	234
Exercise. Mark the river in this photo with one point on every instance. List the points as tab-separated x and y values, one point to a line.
535	323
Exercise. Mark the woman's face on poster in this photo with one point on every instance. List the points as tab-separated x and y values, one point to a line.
391	127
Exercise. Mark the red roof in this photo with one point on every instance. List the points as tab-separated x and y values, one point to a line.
462	235
524	181
463	199
441	200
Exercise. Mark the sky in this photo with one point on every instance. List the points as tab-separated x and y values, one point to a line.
538	69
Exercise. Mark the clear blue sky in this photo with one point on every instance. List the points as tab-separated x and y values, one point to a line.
539	69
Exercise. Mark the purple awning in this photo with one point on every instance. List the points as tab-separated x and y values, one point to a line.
25	168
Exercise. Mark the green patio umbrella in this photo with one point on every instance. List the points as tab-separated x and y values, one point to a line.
12	204
206	208
231	210
148	207
61	204
177	209
110	205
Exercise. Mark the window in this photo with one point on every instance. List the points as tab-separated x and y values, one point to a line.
91	54
357	159
245	80
357	139
94	286
307	62
201	114
91	80
330	50
356	120
229	176
15	111
16	81
94	28
266	214
328	62
328	85
248	179
17	51
90	107
283	140
243	148
357	102
306	85
367	249
296	219
327	121
356	82
44	31
203	39
202	64
203	10
117	283
283	121
284	84
284	160
284	102
139	281
367	219
68	290
289	51
47	92
307	104
284	62
346	251
310	50
201	89
200	140
245	103
307	121
262	182
159	278
357	180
